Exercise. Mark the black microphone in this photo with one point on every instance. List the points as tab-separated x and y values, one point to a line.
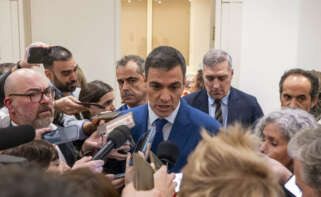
168	153
116	138
15	136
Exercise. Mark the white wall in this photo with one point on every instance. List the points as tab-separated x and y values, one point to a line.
277	35
90	29
309	46
231	35
269	47
9	31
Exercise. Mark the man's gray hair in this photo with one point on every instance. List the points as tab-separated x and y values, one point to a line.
216	56
135	58
306	147
288	121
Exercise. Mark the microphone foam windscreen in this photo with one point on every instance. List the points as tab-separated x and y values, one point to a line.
15	136
119	135
167	150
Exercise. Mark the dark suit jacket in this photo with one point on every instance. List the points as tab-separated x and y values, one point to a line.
185	132
242	107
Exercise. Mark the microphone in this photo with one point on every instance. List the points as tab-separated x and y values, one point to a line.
144	140
168	153
116	138
15	136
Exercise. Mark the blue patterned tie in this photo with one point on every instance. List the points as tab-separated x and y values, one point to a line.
159	123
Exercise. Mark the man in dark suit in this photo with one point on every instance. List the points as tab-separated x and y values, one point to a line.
131	81
173	119
219	99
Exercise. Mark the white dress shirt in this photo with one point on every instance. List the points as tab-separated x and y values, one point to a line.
170	120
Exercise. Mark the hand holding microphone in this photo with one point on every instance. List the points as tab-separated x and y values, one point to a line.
116	138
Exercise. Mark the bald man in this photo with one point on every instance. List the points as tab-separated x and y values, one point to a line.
29	99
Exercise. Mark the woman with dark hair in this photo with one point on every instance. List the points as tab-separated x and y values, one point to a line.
39	153
100	93
198	82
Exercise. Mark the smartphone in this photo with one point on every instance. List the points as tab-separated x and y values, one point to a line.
291	186
106	115
37	55
62	135
87	104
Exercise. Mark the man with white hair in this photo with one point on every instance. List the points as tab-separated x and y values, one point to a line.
305	148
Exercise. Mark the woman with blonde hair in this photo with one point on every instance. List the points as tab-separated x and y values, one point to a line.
228	165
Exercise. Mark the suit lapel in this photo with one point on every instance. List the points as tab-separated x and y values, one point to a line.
202	101
232	106
180	132
141	120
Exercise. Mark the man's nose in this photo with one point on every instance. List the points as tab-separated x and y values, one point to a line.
165	95
46	99
293	104
112	107
125	86
73	76
216	83
263	147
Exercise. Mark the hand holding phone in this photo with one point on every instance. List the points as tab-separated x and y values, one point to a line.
88	104
118	176
62	135
37	55
106	115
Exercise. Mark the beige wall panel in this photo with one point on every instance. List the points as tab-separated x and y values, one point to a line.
200	32
171	23
134	27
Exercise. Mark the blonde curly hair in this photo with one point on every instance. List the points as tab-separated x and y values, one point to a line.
228	165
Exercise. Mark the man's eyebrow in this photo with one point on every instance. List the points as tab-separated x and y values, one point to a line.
132	77
69	70
34	89
155	82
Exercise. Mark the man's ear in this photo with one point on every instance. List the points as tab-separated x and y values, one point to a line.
49	74
315	101
8	103
144	77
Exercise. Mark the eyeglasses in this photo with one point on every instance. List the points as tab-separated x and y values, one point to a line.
36	97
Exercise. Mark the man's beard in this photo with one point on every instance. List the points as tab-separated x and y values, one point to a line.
45	122
68	87
38	122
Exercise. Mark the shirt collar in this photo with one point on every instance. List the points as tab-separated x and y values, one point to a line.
171	118
224	100
51	126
